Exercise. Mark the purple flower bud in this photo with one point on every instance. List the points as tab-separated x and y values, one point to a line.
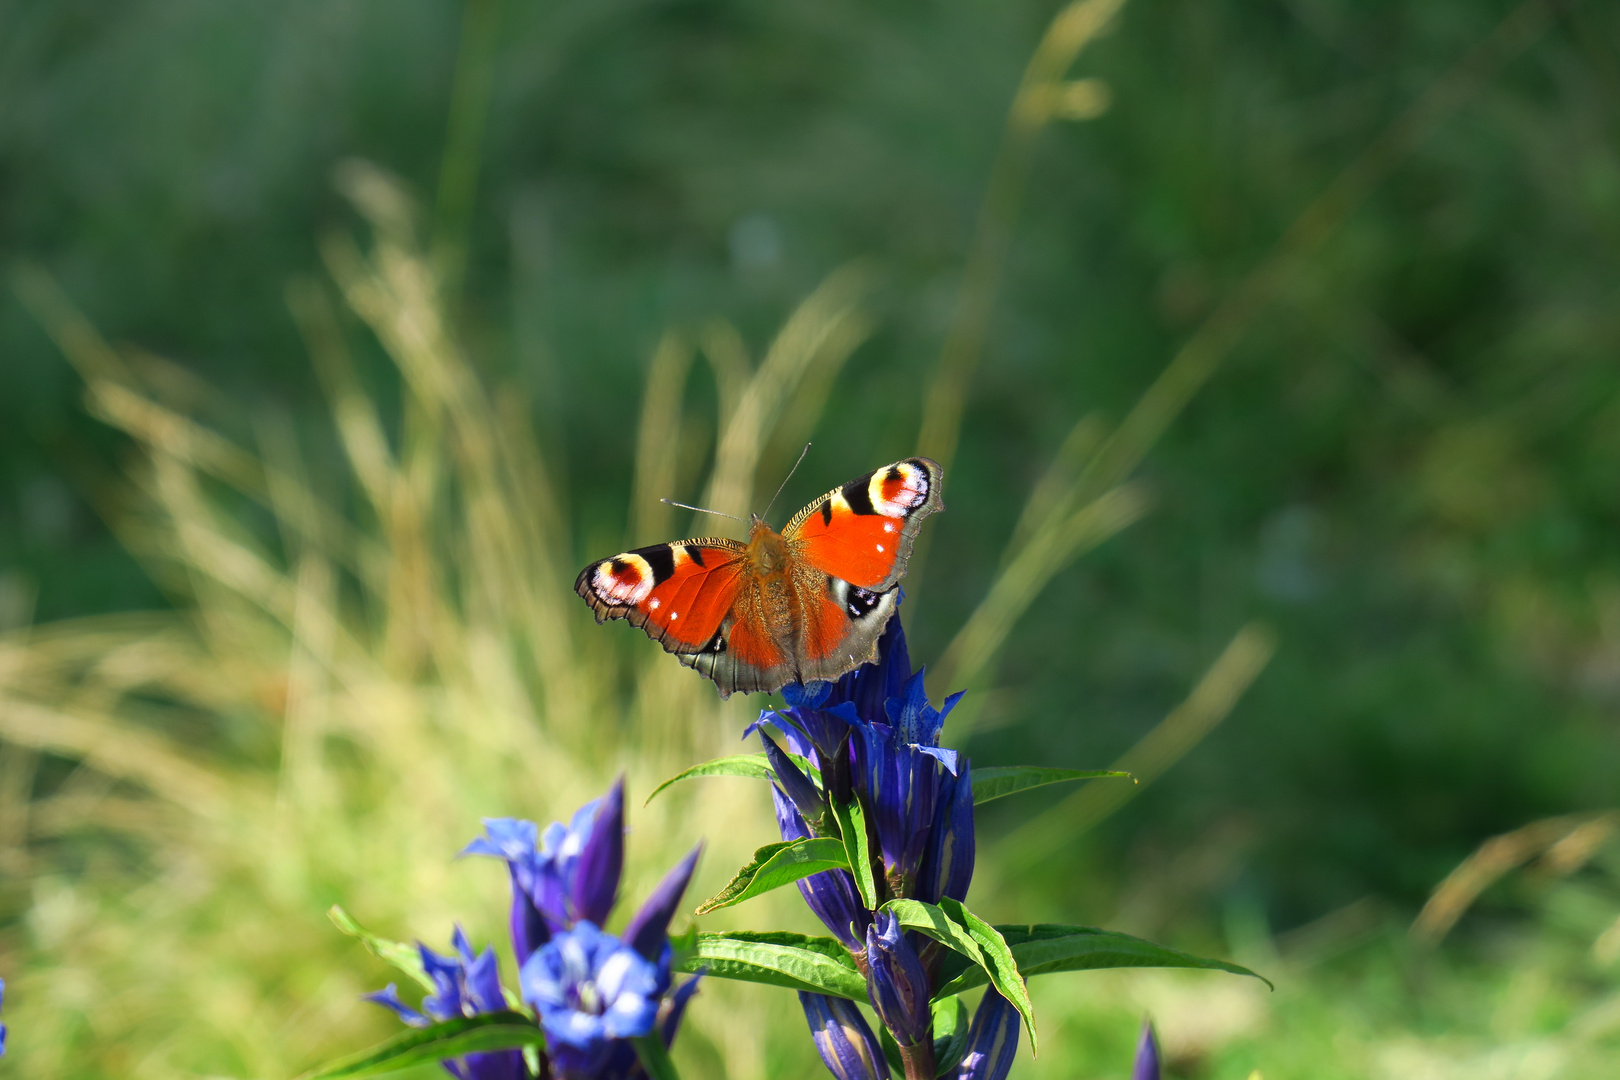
992	1040
845	1040
896	981
648	931
595	876
947	867
807	798
831	894
899	784
1147	1055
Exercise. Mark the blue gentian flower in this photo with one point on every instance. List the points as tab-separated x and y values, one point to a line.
831	894
572	876
992	1040
947	866
463	985
844	1039
1147	1055
591	989
897	982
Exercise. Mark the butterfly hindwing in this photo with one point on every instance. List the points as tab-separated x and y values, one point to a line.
862	532
680	594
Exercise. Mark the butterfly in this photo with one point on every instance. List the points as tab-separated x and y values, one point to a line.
802	605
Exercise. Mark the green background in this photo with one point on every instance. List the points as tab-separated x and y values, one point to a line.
1409	466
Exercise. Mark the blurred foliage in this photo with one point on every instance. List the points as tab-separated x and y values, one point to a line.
1406	465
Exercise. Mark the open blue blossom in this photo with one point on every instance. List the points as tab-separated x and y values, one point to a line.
464	984
844	1039
591	989
992	1040
573	875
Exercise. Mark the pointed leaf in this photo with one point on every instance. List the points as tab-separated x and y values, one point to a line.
852	824
1003	968
933	921
407	958
752	766
775	865
1046	948
449	1039
794	961
998	780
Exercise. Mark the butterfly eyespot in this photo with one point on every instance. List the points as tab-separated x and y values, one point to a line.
625	579
860	602
898	490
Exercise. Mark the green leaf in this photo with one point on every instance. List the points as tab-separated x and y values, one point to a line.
998	780
852	824
797	962
951	1026
753	766
933	921
1003	968
654	1057
407	958
441	1041
778	864
1046	948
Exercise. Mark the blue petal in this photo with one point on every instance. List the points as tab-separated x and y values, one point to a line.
595	884
388	998
992	1040
648	930
843	1038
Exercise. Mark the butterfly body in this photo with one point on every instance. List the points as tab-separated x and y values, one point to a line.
804	604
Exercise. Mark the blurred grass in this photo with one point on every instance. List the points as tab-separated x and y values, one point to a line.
1405	471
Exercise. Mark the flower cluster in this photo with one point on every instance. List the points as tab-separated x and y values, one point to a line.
591	992
873	738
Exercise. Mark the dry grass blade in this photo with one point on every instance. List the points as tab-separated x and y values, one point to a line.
1227	679
824	331
1566	843
1057	542
658	440
1040	97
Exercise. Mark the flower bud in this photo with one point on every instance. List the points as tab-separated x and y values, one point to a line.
992	1040
896	982
845	1040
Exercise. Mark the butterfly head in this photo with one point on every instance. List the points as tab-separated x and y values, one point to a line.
767	551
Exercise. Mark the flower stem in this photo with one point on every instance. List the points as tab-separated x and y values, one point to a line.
918	1060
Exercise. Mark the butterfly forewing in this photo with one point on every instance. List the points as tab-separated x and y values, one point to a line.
862	532
680	593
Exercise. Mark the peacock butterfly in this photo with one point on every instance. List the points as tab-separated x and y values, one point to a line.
802	605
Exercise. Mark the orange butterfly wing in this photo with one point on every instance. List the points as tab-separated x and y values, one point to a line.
680	593
862	532
816	614
850	548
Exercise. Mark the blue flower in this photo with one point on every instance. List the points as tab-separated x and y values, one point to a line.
845	1040
1147	1055
572	875
896	981
831	894
463	985
2	1026
947	866
591	989
992	1040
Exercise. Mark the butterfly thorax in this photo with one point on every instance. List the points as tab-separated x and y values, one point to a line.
767	551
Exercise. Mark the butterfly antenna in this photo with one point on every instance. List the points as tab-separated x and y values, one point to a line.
785	479
701	510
